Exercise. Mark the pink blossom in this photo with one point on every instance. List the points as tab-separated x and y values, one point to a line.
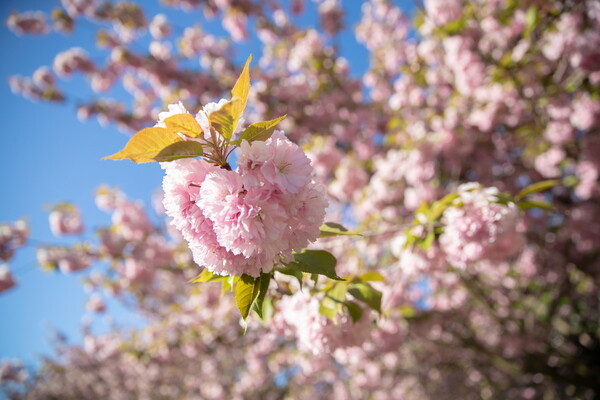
6	279
476	227
559	132
159	27
73	260
12	236
65	219
69	61
95	303
131	220
585	112
31	22
587	172
278	162
442	11
299	316
547	163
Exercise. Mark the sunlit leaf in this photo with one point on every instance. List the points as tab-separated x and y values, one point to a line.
246	290
240	91
207	276
145	145
260	130
175	151
367	294
371	276
537	187
329	229
222	120
185	124
264	279
531	19
527	204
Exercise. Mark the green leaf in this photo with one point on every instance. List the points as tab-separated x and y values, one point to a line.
371	276
318	262
246	290
531	19
204	276
527	204
264	279
228	283
354	310
146	144
329	229
291	272
185	124
240	91
175	151
260	130
330	308
438	208
207	276
367	294
537	187
407	311
222	120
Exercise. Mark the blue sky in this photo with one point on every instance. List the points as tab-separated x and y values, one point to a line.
47	156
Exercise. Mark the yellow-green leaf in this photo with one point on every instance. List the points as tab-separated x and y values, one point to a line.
329	229
264	279
260	130
185	124
145	145
179	150
367	294
240	91
537	187
246	290
207	276
222	120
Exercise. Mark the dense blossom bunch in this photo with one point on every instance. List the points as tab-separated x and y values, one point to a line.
477	226
248	220
300	317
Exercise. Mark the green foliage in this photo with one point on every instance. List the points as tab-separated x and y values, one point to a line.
246	290
147	144
179	150
260	130
537	187
185	124
329	229
318	262
531	20
337	297
240	91
259	304
223	120
367	294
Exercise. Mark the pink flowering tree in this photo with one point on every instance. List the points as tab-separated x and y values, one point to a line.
460	173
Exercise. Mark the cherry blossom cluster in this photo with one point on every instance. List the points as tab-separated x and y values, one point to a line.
478	227
247	220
